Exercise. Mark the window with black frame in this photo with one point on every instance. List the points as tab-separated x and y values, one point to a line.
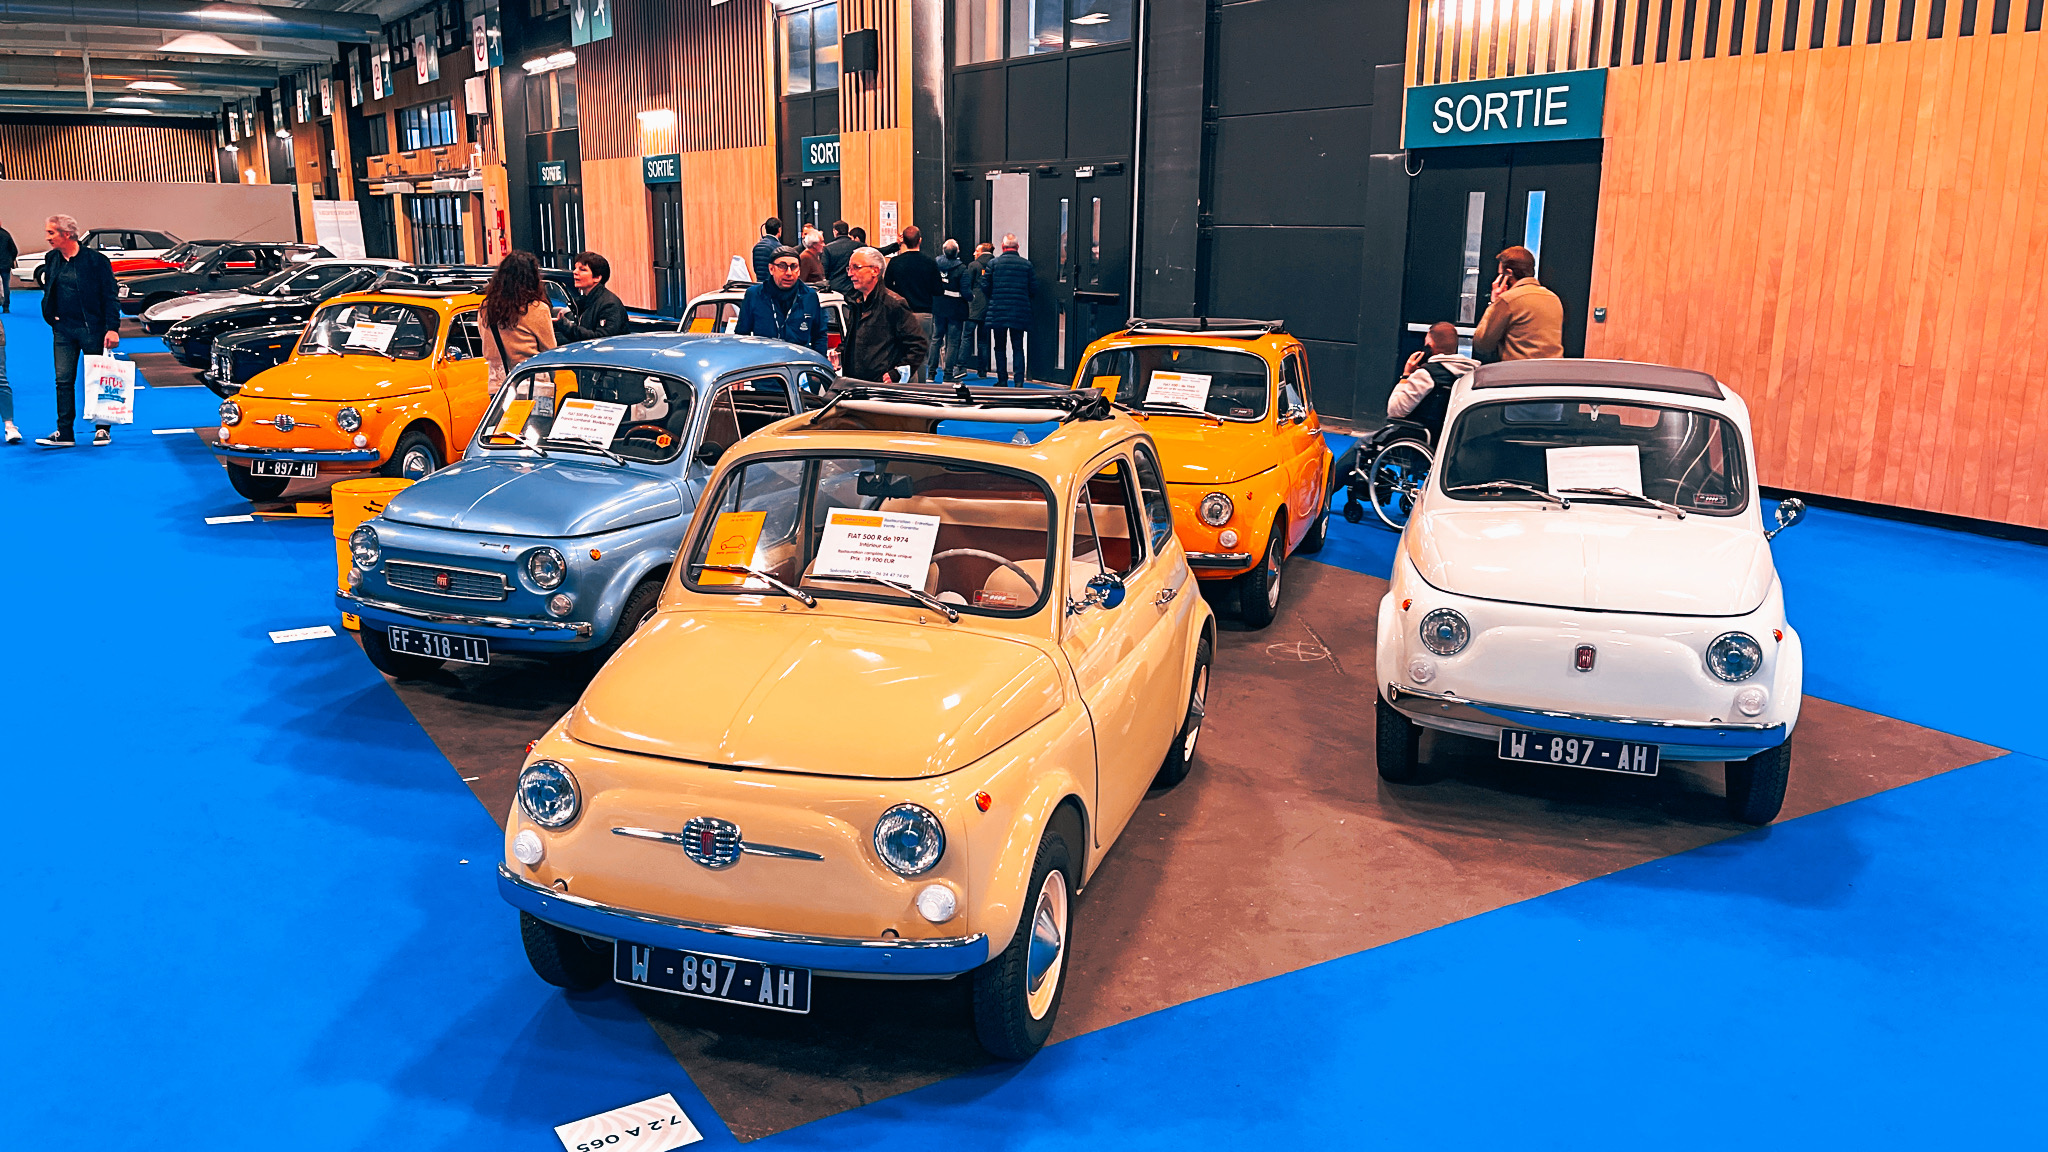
429	125
986	30
810	48
436	228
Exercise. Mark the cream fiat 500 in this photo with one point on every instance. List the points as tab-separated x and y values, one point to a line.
924	655
1586	581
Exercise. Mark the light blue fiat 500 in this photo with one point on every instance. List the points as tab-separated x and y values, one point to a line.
554	532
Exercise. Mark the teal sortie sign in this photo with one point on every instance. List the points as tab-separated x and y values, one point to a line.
821	153
1512	110
662	169
552	171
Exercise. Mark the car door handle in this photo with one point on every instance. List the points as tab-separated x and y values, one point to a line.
1166	595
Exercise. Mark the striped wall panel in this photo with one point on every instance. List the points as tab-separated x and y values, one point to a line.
870	101
713	67
1457	40
108	152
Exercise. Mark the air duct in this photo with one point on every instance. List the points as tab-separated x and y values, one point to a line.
195	16
46	71
118	103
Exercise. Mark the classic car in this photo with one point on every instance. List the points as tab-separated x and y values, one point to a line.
391	382
120	245
545	539
298	286
230	265
926	654
719	311
1246	464
238	357
1586	581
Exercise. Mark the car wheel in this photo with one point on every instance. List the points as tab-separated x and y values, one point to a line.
1181	756
1258	591
413	458
1398	743
257	489
1756	786
565	959
639	609
1017	994
397	665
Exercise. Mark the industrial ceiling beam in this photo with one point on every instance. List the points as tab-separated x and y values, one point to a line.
195	16
122	104
65	72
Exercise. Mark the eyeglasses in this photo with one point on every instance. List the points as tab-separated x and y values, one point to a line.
785	264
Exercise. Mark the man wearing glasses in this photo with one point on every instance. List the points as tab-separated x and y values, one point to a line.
783	306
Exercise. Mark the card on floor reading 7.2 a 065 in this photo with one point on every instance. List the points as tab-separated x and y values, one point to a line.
655	1125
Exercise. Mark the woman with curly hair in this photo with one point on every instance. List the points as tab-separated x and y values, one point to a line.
516	318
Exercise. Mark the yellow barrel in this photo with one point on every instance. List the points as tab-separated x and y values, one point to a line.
354	502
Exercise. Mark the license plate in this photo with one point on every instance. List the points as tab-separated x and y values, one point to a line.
1579	752
439	645
302	469
709	977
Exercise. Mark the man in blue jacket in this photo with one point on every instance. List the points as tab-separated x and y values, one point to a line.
783	306
771	239
1012	288
84	315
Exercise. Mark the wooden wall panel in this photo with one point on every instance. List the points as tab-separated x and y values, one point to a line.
615	223
871	101
873	167
726	195
1845	236
108	152
712	66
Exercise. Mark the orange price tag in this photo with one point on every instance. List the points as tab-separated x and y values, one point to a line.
733	539
514	422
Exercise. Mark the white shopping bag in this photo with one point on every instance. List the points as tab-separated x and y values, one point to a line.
109	384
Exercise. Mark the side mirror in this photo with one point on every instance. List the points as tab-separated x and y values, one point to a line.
1106	589
1791	510
1298	415
709	452
456	352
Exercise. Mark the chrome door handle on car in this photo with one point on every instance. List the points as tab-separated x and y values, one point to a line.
1166	595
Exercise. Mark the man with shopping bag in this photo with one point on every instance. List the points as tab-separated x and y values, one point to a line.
85	319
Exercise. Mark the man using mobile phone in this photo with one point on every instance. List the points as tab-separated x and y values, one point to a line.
1523	319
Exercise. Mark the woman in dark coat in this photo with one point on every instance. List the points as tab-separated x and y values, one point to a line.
1012	289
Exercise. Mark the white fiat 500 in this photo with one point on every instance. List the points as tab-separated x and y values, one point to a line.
1586	581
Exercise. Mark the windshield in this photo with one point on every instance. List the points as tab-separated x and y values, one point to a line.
975	538
188	255
400	331
1689	459
635	415
274	285
1225	383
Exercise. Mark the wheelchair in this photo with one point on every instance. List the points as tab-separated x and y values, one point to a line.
1396	462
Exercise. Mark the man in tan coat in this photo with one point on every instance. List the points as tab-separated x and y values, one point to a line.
1525	320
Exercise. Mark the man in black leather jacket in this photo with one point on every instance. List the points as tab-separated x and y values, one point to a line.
84	314
598	312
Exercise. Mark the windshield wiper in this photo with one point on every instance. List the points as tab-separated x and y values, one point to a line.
1514	485
575	446
1178	408
920	594
808	600
367	348
320	348
1625	494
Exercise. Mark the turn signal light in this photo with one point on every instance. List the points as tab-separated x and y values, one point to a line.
531	745
1778	634
595	554
982	801
1405	604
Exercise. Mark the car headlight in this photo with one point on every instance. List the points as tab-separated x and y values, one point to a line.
909	840
1734	656
363	545
546	567
230	413
348	419
1446	632
1215	509
547	794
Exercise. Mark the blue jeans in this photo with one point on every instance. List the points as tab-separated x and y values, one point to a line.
6	389
946	342
66	346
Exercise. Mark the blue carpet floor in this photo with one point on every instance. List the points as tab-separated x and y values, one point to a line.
246	920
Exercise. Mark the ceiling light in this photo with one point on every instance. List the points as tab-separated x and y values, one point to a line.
655	117
122	111
156	86
561	59
202	44
1091	18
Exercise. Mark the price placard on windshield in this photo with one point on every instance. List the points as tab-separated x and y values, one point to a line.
885	545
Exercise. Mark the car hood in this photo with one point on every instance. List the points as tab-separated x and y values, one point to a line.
186	307
814	692
345	378
1194	451
534	497
1595	556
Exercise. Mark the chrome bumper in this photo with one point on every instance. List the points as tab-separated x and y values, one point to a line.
824	954
338	455
363	605
1678	739
1219	559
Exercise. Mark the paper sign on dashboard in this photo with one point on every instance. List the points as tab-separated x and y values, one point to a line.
581	421
1595	466
514	421
886	545
372	335
1188	389
734	537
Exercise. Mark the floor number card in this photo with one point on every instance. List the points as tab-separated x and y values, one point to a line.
650	1126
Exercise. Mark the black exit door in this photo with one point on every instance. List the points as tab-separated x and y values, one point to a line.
665	225
558	224
809	202
1469	203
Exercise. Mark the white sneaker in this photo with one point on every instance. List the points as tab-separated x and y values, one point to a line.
13	434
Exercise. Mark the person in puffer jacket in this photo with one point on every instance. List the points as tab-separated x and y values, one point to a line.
1012	291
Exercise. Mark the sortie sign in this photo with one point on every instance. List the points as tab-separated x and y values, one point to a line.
1511	110
821	153
551	172
662	169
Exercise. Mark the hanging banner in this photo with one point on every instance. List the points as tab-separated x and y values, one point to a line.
486	40
589	21
326	94
426	62
249	126
380	69
304	104
389	83
355	80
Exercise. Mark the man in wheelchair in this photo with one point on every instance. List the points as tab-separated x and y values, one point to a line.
1415	409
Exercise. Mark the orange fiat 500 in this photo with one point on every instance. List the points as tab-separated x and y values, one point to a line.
389	382
1228	402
